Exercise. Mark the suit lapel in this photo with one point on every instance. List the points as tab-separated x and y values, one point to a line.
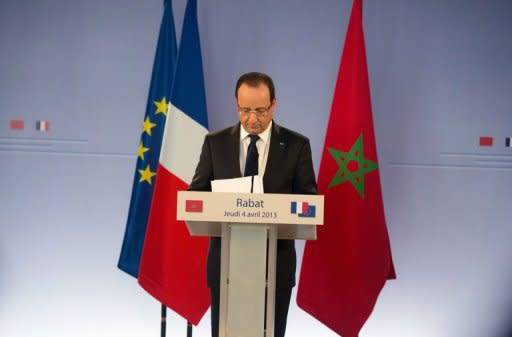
233	151
274	160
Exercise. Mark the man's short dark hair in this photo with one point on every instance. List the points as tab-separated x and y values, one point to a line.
254	79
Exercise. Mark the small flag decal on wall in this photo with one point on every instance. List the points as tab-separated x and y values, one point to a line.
17	124
42	126
508	142
486	141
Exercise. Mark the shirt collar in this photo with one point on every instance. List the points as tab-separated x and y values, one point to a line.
263	136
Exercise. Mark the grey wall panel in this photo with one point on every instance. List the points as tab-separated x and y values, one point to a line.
440	78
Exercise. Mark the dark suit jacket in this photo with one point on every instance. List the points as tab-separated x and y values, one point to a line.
289	169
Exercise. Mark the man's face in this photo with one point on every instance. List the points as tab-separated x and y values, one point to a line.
254	108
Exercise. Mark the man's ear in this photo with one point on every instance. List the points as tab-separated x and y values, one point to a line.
273	105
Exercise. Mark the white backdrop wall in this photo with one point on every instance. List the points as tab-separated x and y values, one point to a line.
440	78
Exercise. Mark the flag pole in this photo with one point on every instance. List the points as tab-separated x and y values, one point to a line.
163	321
189	329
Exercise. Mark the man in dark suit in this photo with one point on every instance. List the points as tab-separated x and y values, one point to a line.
257	145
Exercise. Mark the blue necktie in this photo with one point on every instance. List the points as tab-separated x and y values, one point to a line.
251	161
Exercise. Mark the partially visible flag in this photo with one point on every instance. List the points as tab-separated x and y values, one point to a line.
173	264
486	141
508	142
43	126
344	270
17	124
149	145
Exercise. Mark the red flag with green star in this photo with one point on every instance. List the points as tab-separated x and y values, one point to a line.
344	270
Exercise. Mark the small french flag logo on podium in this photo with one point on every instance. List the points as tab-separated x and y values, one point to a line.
307	210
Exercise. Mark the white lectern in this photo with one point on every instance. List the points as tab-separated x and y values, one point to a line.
249	225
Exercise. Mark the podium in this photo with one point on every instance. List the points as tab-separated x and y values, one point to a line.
249	225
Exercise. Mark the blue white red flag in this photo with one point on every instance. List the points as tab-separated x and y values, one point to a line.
173	264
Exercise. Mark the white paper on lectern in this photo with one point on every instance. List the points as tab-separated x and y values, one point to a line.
238	185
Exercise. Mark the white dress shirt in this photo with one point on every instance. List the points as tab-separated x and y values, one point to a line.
262	145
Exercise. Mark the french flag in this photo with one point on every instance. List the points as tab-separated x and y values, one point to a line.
173	263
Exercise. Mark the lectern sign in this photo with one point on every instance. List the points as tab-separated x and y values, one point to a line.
253	208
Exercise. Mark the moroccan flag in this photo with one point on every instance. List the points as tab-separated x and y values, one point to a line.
150	142
173	264
344	270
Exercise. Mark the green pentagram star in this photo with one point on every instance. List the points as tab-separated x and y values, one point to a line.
353	174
